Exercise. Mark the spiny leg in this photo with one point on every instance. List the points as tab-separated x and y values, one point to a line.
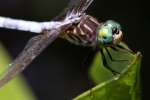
91	94
112	59
106	64
121	48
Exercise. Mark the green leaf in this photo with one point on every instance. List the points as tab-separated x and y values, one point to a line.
17	88
125	86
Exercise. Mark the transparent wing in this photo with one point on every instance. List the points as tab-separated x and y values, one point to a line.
76	7
79	6
38	43
33	48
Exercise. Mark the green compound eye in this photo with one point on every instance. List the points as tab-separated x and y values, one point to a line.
104	35
109	33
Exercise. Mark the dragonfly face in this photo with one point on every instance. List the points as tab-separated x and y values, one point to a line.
109	33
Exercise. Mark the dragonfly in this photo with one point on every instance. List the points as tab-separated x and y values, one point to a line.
87	31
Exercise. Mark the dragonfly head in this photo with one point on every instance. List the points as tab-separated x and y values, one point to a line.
109	33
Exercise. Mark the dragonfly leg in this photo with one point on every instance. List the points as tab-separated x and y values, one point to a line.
125	49
112	59
121	48
106	64
91	94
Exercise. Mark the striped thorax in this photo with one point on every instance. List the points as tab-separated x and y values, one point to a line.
83	33
90	32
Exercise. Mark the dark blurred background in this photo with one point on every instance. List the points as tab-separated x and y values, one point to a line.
60	72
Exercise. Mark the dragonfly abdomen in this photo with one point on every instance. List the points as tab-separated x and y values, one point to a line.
84	33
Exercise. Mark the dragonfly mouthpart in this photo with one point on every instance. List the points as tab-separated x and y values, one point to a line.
117	38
